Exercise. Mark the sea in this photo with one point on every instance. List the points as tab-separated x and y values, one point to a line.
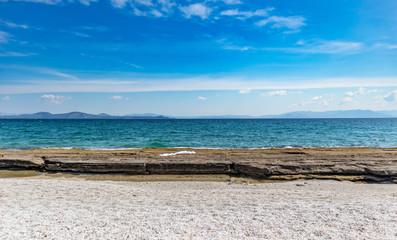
197	133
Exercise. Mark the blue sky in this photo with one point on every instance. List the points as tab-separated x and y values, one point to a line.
206	57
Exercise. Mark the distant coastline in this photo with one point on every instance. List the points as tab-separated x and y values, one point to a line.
289	115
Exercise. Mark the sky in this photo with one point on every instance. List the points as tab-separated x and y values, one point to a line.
197	57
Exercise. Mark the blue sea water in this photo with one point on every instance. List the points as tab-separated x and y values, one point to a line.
225	133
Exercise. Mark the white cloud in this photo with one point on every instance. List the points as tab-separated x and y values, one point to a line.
322	47
55	2
95	28
156	13
54	99
197	9
385	45
52	72
75	33
391	97
166	5
4	37
13	25
6	98
15	54
118	3
118	98
293	22
232	1
135	66
245	91
347	100
316	98
276	93
147	8
147	3
165	82
87	2
350	96
50	2
335	47
360	91
201	98
232	47
319	100
246	14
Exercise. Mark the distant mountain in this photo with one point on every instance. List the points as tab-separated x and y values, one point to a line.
143	115
334	114
309	114
76	115
390	113
299	114
217	117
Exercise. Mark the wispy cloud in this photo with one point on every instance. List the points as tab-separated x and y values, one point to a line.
118	98
50	2
360	91
231	1
245	91
322	47
42	70
4	37
246	14
346	100
292	22
118	3
54	99
275	93
321	100
15	54
55	2
94	28
55	73
334	47
316	98
172	83
391	97
87	2
226	44
238	48
75	33
196	9
135	66
13	25
352	96
385	45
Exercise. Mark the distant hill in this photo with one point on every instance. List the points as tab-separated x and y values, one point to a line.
310	114
76	115
217	117
291	115
335	114
144	115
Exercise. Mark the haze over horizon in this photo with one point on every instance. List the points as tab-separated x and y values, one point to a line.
192	58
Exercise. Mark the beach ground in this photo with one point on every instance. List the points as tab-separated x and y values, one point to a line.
69	207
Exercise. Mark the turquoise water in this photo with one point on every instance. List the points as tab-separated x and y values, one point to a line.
244	133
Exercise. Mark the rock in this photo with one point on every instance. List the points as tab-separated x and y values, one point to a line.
354	164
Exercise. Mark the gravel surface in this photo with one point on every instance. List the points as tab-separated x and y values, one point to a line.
34	208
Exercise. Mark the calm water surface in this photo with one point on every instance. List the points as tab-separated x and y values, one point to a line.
229	133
